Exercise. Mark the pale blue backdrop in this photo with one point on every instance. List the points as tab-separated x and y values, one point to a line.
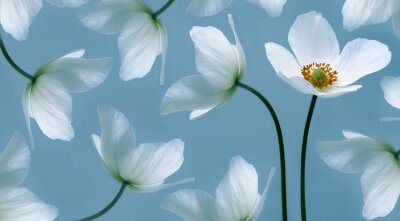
70	174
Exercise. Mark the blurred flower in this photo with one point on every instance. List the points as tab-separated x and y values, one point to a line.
318	67
379	164
145	167
237	197
17	15
46	98
358	13
17	203
143	36
220	65
391	90
212	7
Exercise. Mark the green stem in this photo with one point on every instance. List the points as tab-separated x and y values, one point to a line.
280	141
303	159
162	9
109	206
12	63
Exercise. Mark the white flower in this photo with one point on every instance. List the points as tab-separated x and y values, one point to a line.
379	164
220	64
47	98
144	167
318	67
358	13
142	37
17	203
236	198
212	7
17	15
391	90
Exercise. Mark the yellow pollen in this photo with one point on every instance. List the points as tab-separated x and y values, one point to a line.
320	75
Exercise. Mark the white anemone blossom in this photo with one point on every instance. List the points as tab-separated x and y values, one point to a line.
17	15
358	13
142	36
143	168
379	164
317	66
391	90
236	197
212	7
18	203
220	64
47	100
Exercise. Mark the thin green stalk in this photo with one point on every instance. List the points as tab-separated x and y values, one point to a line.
108	207
303	159
12	63
280	141
162	9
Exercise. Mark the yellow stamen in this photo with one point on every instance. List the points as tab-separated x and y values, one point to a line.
320	75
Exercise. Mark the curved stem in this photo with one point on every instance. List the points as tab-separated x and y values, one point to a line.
12	63
162	9
109	206
280	141
303	159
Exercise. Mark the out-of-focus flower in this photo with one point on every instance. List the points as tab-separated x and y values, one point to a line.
318	67
391	90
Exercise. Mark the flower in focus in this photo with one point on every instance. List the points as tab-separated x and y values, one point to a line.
18	203
318	67
379	164
47	98
220	64
143	36
236	198
358	13
212	7
144	167
17	15
391	90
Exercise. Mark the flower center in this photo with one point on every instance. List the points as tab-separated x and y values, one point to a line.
320	75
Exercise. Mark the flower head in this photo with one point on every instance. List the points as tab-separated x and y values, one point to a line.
144	167
47	98
220	64
236	198
317	66
379	164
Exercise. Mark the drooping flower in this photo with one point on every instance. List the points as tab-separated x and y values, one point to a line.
391	90
379	164
18	203
17	15
47	100
358	13
143	36
220	64
144	167
212	7
236	198
317	66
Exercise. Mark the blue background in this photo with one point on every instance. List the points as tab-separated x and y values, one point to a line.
70	175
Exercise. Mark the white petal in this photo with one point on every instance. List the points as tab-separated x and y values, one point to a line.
331	92
391	90
359	58
216	58
117	139
272	7
19	204
389	119
352	134
357	13
380	185
17	15
300	84
51	107
164	47
14	162
149	188
193	93
240	56
68	3
350	155
78	53
237	194
396	23
151	163
282	60
139	45
191	205
26	106
207	7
